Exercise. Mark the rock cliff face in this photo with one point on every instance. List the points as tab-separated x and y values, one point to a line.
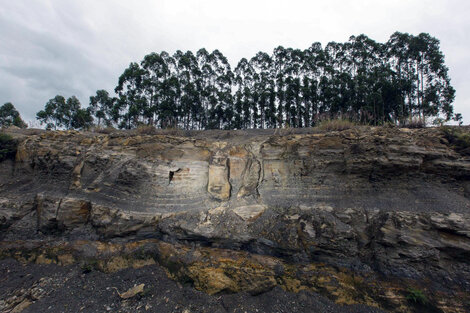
377	216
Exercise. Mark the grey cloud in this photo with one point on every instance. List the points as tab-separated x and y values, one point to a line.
39	65
52	47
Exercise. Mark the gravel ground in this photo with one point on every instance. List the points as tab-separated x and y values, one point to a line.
52	288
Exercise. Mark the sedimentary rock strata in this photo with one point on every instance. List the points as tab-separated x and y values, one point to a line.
361	215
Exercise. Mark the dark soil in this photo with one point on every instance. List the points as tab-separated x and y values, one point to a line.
52	288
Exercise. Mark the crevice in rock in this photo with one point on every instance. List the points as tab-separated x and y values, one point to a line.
171	174
57	209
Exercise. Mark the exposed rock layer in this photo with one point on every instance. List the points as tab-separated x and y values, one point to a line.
359	215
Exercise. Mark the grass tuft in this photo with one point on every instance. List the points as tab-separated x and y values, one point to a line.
146	130
458	138
102	130
416	296
336	125
414	123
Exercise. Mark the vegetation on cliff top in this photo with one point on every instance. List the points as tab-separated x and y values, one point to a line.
361	80
458	137
9	116
8	147
59	112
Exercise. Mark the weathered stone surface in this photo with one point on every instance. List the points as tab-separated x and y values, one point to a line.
218	185
46	210
374	201
251	177
73	213
249	212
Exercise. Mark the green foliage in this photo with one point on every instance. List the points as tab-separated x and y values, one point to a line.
401	82
458	137
51	113
438	122
369	82
9	116
8	147
59	112
81	119
101	107
458	118
416	296
89	266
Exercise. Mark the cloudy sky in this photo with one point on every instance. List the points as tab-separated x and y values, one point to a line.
68	47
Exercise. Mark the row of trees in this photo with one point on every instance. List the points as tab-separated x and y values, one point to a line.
360	79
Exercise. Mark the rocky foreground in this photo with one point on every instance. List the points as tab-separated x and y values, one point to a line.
362	220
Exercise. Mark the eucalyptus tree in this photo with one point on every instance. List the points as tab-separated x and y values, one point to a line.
101	107
221	92
156	72
279	58
458	118
292	73
422	75
433	91
366	57
264	89
365	53
49	115
81	119
131	96
9	116
312	69
329	80
59	112
341	73
206	84
397	48
188	75
68	110
359	79
244	77
170	107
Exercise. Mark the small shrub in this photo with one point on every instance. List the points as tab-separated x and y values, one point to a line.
458	137
175	131
284	131
458	118
89	266
146	130
32	131
338	125
416	296
8	147
439	121
414	123
103	130
390	125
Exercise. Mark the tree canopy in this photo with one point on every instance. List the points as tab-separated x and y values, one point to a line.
9	116
362	80
59	112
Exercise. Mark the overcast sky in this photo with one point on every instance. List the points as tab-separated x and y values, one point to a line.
68	47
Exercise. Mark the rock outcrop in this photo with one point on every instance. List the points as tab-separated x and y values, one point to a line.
362	216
